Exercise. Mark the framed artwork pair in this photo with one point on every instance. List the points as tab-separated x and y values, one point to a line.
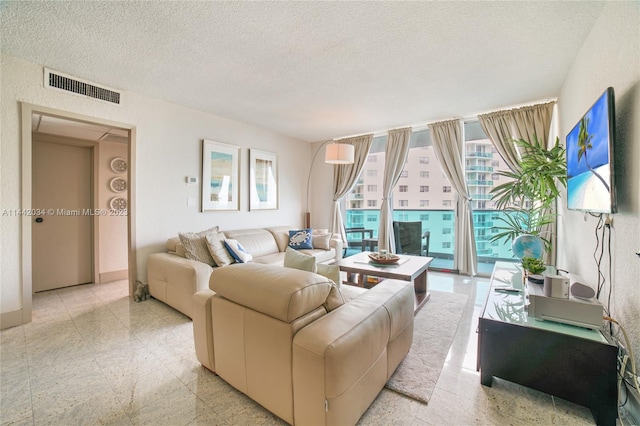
221	178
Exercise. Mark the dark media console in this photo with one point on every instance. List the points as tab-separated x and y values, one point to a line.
570	362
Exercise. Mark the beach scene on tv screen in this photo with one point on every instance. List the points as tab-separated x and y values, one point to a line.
588	163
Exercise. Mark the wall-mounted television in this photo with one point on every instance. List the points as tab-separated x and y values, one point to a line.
590	167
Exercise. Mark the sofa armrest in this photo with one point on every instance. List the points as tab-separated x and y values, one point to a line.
203	328
340	362
337	244
174	279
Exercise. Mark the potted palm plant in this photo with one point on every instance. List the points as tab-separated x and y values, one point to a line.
528	198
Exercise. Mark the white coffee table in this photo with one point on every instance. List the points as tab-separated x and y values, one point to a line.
409	268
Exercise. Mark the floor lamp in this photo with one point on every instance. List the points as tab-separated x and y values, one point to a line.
335	153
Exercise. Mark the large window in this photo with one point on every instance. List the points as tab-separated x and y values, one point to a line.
413	200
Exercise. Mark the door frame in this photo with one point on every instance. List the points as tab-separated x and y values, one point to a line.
27	110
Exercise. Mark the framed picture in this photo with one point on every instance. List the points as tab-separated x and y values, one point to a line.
263	180
220	176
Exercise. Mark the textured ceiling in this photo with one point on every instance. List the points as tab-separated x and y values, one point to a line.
311	70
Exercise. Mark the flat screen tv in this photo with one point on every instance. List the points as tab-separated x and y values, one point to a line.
590	171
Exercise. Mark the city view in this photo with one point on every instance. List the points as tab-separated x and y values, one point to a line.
424	194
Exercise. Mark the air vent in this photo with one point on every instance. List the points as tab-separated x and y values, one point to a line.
56	80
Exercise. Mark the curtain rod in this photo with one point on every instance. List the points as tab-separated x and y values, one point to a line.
471	117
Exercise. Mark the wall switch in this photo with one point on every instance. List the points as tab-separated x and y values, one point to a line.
191	180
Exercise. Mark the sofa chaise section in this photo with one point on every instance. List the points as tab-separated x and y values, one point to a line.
276	335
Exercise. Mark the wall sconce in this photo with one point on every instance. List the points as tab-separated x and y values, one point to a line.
335	153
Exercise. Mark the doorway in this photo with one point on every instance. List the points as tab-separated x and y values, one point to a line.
62	252
111	147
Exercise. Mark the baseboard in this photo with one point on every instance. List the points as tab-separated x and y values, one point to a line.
107	277
10	319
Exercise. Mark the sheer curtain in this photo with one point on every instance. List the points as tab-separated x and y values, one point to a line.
345	177
521	123
396	152
447	144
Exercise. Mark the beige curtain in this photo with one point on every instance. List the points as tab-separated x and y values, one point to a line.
345	177
521	123
396	152
447	144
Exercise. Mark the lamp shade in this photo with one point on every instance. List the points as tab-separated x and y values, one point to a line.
339	153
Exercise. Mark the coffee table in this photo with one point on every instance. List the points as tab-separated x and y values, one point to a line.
409	268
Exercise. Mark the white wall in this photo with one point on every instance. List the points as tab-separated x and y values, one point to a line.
610	56
112	229
168	149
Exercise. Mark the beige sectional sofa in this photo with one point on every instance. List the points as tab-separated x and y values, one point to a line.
173	279
306	350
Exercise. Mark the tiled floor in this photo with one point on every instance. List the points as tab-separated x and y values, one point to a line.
94	356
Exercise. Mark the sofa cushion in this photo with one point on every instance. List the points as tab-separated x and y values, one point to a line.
320	255
296	260
282	293
239	253
219	252
258	242
195	245
270	259
281	235
300	239
174	246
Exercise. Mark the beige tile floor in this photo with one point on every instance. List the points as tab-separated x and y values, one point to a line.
94	356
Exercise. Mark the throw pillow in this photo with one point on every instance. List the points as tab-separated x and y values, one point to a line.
195	245
300	239
321	241
329	271
296	260
219	252
334	299
237	251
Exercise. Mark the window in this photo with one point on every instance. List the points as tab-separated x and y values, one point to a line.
446	245
372	218
481	205
446	189
446	203
404	188
372	203
372	188
403	203
495	176
372	173
402	217
424	174
424	217
424	188
495	163
372	158
424	203
424	160
447	216
446	231
404	174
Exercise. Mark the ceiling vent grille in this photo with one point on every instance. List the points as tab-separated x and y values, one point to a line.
67	83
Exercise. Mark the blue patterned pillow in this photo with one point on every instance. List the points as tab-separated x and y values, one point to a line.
300	239
239	253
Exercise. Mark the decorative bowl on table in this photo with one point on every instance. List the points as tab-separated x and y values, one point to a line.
384	260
